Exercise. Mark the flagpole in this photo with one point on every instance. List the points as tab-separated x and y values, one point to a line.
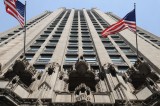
25	30
136	32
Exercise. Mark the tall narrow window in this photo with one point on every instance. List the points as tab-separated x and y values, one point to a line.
90	59
44	58
39	67
33	49
71	58
132	59
116	59
29	56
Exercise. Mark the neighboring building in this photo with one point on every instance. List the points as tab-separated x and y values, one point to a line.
68	63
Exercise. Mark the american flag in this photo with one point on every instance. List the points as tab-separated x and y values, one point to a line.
129	21
16	9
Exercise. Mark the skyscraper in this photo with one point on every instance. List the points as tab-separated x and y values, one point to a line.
68	63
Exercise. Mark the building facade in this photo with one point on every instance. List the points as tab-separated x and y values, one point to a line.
68	63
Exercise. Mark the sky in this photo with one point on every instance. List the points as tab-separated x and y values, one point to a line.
147	11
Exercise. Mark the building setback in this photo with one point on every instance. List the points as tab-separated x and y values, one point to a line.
68	63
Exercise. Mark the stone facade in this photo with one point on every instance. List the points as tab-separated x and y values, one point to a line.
68	63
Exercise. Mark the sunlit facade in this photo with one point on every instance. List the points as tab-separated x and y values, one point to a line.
68	63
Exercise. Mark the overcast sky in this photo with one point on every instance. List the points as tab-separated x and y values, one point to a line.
147	11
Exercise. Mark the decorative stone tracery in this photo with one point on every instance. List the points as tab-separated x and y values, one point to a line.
83	93
23	70
51	67
141	74
80	73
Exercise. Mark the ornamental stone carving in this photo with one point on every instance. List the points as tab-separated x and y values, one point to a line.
82	93
23	70
81	65
110	68
79	73
141	74
51	67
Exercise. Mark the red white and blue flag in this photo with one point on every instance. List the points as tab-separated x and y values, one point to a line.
129	21
16	9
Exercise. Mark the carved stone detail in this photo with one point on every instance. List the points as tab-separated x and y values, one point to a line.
39	102
81	65
98	87
65	76
39	75
82	93
13	83
141	74
65	87
23	70
51	67
110	68
79	73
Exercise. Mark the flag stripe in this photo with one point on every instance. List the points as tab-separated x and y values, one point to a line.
11	9
122	27
11	3
12	13
127	22
21	20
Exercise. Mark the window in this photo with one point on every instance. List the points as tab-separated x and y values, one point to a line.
33	49
55	38
73	38
84	29
74	29
49	49
73	42
72	49
116	59
114	36
56	35
44	58
50	29
132	58
88	49
86	38
107	43
71	58
47	32
90	58
39	42
58	32
158	43
74	33
122	69
141	33
44	36
85	42
85	33
39	67
60	28
120	43
126	50
53	41
111	50
29	56
104	39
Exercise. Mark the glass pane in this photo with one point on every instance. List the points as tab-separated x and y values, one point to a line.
117	59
